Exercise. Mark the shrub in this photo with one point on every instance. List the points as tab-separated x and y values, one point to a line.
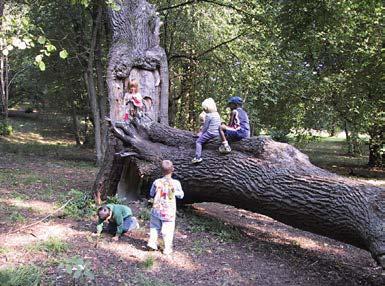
81	205
21	276
79	269
280	136
5	129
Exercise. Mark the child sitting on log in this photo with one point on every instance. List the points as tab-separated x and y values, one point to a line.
165	191
239	126
119	219
133	100
210	127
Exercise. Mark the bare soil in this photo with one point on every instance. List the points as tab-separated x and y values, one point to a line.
214	244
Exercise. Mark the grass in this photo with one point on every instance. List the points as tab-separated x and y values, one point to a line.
53	245
142	280
17	217
4	250
29	275
148	263
45	138
145	214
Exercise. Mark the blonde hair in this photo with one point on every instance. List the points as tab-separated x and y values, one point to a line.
209	105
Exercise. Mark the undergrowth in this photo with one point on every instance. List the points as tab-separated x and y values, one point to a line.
29	275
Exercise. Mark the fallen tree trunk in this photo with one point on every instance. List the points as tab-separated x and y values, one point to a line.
260	175
263	176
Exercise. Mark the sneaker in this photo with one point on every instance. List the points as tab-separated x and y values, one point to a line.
167	251
152	246
196	160
225	149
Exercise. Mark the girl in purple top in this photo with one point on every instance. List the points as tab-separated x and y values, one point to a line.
210	127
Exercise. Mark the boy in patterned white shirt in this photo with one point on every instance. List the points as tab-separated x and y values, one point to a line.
165	191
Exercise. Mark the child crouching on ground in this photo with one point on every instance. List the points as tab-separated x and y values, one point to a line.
165	191
210	127
119	219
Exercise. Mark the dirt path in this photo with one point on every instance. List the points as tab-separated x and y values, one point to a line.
214	244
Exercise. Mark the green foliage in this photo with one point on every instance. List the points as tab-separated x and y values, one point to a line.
79	269
81	206
148	263
53	245
4	250
21	276
280	136
115	200
17	217
5	129
145	214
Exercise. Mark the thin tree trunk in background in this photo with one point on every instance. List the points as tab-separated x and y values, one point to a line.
75	125
90	83
102	95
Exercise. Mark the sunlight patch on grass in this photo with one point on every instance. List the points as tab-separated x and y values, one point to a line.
36	206
42	230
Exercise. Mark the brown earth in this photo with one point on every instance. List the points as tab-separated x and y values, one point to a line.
214	244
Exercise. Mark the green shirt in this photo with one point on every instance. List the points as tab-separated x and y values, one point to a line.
119	213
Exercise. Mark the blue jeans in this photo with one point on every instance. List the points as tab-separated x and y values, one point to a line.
129	223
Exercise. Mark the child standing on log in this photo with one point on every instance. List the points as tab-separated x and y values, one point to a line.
239	126
165	191
210	127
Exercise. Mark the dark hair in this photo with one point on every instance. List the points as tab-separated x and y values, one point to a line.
104	212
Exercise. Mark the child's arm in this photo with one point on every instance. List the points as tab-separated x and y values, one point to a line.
153	189
99	227
178	190
206	124
119	224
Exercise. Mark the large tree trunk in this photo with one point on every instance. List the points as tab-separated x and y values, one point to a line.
263	176
134	54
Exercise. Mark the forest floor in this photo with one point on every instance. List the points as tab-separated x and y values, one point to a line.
214	244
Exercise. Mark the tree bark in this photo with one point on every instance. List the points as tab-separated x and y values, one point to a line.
263	176
134	54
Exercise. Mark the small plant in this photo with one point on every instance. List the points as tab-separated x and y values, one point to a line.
5	129
17	217
4	250
53	245
21	276
145	214
148	263
115	200
81	205
79	269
